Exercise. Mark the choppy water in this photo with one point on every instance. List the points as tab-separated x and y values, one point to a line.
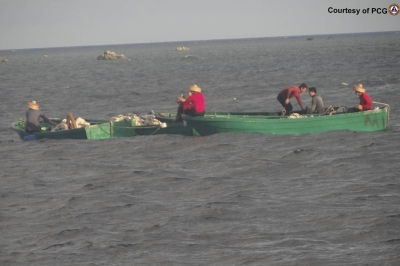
228	199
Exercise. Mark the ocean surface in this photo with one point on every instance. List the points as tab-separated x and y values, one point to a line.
227	199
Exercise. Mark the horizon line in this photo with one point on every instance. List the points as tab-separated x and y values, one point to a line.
205	40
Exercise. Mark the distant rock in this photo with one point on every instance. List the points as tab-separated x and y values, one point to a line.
3	60
108	55
182	48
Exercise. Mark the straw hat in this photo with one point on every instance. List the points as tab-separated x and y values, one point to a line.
359	88
33	105
194	88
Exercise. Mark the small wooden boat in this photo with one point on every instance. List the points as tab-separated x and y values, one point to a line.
127	128
273	123
46	133
103	129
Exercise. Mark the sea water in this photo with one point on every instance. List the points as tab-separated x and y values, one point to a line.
227	199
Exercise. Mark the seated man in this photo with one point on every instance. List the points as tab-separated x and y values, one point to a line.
365	101
317	105
194	105
32	118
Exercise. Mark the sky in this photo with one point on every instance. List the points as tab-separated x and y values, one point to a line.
28	24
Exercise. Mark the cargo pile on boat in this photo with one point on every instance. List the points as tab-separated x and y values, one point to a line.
80	122
140	120
296	115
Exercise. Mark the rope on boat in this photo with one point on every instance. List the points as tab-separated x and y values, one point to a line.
388	112
156	131
103	129
137	127
133	129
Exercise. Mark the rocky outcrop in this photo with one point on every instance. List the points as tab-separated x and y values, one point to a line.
108	55
3	60
182	48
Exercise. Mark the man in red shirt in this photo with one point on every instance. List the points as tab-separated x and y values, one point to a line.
194	105
365	100
290	92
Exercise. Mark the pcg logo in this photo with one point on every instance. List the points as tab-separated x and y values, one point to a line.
394	9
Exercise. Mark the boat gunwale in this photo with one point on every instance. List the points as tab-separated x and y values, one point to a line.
227	115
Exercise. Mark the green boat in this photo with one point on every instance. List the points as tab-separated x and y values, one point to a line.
46	133
103	129
127	128
273	123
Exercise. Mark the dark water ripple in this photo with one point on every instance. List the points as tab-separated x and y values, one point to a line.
229	199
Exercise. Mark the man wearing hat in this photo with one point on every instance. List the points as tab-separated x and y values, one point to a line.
365	100
194	105
32	118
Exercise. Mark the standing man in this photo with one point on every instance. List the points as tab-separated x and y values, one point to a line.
316	102
290	92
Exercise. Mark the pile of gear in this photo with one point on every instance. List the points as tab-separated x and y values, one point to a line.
80	122
140	120
335	110
296	115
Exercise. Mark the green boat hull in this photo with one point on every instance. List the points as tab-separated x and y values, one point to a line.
271	123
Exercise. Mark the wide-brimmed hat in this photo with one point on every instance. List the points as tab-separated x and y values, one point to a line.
359	88
33	105
194	88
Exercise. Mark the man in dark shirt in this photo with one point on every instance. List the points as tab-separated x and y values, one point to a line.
32	118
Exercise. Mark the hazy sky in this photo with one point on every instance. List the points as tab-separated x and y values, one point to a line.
62	23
